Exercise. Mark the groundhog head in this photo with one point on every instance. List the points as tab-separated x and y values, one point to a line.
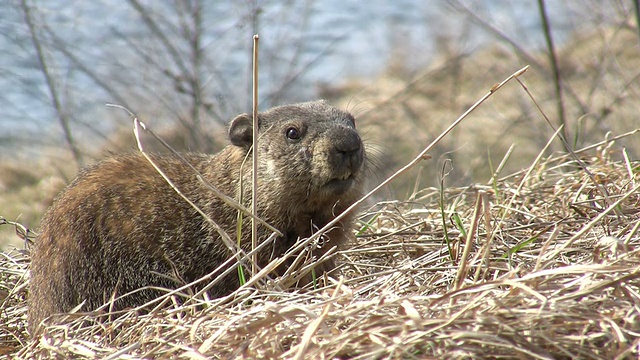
310	152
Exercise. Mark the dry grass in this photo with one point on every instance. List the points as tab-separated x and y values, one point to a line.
600	74
551	271
27	188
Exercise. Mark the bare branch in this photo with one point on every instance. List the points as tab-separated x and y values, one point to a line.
62	117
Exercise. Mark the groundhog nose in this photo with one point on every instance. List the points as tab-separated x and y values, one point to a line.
348	146
348	143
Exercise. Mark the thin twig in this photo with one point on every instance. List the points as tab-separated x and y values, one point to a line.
424	153
226	239
516	45
521	184
421	156
636	5
464	261
254	172
226	199
553	58
176	55
583	165
597	219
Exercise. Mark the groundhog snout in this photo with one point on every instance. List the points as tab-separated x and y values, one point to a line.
348	152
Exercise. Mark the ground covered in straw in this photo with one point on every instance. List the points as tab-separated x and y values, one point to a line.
540	264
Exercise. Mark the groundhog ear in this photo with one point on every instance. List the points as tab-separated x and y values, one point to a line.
241	130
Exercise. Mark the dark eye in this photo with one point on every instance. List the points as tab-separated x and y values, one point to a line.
353	121
293	133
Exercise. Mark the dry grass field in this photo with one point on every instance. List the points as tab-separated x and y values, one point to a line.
521	250
544	263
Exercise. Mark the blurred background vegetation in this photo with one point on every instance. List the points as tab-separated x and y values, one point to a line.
406	69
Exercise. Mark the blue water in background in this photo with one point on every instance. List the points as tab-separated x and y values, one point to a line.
368	32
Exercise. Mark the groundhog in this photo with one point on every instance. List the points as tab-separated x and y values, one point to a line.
119	226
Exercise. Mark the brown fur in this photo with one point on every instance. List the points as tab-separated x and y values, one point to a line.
119	223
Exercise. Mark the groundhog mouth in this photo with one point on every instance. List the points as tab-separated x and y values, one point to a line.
341	184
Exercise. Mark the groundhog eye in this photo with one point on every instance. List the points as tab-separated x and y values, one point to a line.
293	133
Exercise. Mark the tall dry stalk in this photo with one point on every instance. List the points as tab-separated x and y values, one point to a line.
553	59
254	154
